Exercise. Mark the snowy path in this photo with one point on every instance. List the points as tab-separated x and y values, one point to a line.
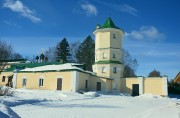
56	104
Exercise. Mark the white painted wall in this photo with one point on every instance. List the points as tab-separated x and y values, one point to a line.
165	86
14	79
74	81
141	85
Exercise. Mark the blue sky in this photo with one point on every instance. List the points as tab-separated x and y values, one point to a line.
152	27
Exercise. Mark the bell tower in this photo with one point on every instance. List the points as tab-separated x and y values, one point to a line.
108	52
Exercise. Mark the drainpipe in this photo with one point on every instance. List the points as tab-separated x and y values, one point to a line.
14	78
141	85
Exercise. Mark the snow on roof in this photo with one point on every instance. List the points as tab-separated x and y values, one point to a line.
66	66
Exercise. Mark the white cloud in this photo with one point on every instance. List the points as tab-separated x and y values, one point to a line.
121	7
146	33
163	56
126	8
90	9
85	7
160	53
19	7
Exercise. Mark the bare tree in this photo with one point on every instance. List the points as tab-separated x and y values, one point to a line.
5	53
73	50
16	56
129	63
51	54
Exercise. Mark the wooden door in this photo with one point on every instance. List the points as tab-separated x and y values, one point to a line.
98	87
59	84
135	89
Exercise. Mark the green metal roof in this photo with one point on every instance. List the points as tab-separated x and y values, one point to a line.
108	24
14	60
28	65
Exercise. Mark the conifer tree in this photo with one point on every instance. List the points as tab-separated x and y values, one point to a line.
62	51
85	53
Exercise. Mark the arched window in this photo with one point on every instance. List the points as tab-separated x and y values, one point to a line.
104	55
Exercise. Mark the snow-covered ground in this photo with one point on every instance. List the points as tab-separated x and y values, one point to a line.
57	104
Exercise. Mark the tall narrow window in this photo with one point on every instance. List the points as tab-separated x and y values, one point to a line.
3	78
114	70
104	55
24	82
96	56
86	84
103	69
114	55
41	82
114	36
94	69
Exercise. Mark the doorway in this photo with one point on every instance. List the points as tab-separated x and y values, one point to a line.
135	89
10	83
98	87
59	84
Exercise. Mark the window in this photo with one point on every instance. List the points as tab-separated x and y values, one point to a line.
114	70
114	36
24	82
41	82
3	78
94	69
86	84
96	56
103	70
104	55
114	55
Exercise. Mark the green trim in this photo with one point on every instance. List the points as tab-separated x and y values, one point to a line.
108	62
14	60
28	65
107	48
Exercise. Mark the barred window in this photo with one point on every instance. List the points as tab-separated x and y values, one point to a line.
41	82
